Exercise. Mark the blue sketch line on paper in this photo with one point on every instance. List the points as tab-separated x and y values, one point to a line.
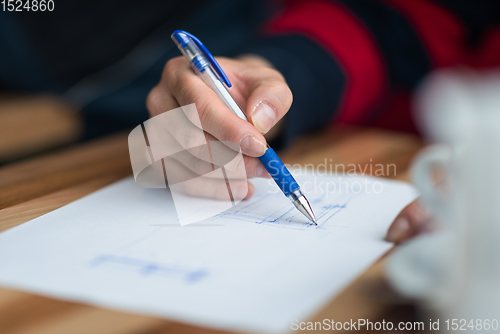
322	216
147	268
286	215
328	214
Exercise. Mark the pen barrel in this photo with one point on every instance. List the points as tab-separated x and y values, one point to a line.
279	172
218	87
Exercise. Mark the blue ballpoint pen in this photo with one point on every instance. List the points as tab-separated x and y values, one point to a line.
204	65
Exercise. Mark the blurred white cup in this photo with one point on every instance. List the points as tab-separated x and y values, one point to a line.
457	269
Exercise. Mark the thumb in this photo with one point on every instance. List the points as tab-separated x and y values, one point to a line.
269	98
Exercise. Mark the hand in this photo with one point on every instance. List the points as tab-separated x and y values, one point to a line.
260	91
411	221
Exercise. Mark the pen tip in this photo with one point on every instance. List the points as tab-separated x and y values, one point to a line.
303	206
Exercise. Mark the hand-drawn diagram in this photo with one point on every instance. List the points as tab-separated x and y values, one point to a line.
147	268
263	209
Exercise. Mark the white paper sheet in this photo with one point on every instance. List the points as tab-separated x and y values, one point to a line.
255	267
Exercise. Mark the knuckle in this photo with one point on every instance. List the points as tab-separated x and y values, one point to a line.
276	86
282	91
171	70
153	101
172	66
275	73
185	87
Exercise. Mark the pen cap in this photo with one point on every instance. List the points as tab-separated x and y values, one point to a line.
198	55
205	65
279	172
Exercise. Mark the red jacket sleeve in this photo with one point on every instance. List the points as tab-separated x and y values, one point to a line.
385	47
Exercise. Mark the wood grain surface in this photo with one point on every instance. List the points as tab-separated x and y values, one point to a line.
31	124
34	187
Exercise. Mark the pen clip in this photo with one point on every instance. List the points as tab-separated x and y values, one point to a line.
215	65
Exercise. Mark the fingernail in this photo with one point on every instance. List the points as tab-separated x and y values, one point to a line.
252	147
264	117
399	230
260	171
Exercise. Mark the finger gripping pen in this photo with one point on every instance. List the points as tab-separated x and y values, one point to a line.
205	65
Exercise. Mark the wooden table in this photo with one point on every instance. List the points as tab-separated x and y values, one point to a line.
34	187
